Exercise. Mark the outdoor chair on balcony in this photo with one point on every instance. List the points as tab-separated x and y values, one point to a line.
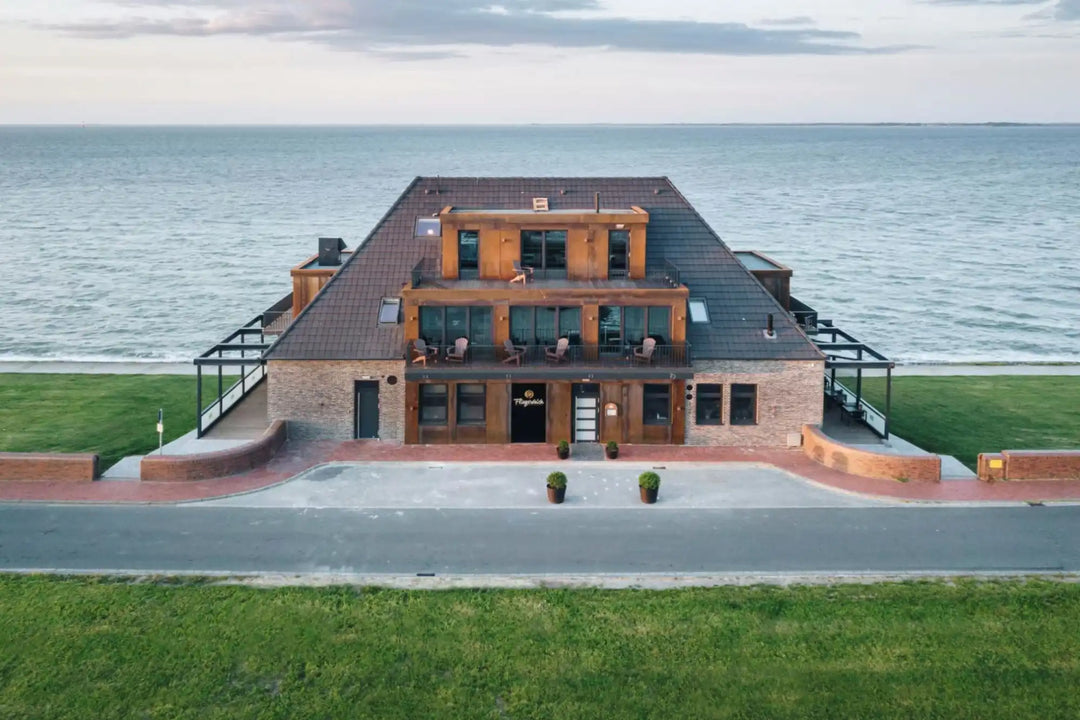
644	354
557	352
521	273
421	352
457	353
514	353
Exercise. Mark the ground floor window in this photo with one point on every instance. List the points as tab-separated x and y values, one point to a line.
657	405
471	404
433	404
744	404
710	404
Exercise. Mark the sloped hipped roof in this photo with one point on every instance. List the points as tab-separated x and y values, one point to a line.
341	323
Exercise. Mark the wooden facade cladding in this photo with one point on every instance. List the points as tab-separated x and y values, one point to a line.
626	427
308	281
586	243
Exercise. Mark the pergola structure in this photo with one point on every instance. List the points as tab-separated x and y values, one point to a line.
242	349
845	352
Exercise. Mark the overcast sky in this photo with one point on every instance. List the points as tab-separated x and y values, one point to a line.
543	61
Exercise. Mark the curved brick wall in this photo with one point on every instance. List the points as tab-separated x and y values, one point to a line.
856	461
48	467
207	466
1030	465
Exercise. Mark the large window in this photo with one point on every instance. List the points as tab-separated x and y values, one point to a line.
545	325
444	325
657	405
432	404
471	403
744	404
631	325
544	251
618	249
468	253
710	404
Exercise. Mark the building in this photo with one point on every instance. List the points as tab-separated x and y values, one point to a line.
594	309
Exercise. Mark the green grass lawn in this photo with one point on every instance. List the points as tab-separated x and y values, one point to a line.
106	649
112	415
966	415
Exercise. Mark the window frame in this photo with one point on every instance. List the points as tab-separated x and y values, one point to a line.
421	404
700	320
386	303
427	219
482	404
710	392
655	422
531	338
446	340
739	393
468	271
542	266
625	256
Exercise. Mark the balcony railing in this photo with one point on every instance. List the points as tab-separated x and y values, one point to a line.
547	356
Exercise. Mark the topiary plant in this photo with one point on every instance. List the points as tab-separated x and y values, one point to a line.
556	480
612	445
649	481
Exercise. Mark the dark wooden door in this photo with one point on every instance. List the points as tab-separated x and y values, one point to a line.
367	409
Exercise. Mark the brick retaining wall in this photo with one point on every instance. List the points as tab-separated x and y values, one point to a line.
857	461
222	463
1030	465
48	467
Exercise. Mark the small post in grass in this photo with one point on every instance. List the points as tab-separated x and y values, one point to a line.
160	428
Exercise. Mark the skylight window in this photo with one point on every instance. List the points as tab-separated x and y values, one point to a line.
428	227
389	310
699	310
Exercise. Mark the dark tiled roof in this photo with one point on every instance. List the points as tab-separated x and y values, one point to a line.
342	322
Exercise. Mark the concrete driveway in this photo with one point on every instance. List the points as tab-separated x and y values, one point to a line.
522	485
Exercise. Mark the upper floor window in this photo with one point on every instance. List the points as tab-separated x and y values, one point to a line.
545	325
389	310
428	227
468	253
618	253
699	310
444	325
545	252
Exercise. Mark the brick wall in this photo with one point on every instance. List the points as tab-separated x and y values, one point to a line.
856	461
208	466
48	467
1031	465
789	395
317	397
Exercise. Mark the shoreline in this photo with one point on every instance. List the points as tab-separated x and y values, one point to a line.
157	367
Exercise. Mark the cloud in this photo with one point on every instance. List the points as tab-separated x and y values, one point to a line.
798	20
1058	10
418	29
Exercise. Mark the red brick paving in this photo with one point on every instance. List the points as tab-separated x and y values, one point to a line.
297	457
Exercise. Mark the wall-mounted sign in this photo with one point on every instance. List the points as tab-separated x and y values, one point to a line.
529	399
611	410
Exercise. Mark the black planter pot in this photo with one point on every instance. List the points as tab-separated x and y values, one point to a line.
649	496
611	454
556	495
563	454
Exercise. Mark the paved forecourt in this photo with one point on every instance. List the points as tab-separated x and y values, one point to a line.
597	485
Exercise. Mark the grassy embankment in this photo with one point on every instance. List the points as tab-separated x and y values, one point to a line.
112	415
966	415
98	648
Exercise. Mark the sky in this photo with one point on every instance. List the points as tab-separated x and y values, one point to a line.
538	61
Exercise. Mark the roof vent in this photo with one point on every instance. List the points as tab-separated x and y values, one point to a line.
597	202
540	204
770	331
330	251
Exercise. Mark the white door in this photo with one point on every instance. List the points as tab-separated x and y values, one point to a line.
586	419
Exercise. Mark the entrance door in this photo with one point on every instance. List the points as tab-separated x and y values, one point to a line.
586	418
528	413
367	409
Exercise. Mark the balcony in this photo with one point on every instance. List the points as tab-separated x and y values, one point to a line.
593	362
666	275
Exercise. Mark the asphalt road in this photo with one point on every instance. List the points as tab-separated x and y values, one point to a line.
645	540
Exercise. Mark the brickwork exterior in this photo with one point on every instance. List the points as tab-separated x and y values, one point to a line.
789	395
48	467
1031	465
318	397
856	461
208	466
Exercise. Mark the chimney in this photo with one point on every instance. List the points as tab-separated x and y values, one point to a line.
597	202
330	251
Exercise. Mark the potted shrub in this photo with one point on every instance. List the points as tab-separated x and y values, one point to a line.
563	449
611	449
556	487
649	483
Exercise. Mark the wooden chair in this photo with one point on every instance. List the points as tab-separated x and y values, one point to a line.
521	273
644	353
457	353
421	351
557	352
514	353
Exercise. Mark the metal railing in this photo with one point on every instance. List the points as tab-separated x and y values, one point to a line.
850	403
230	397
242	350
278	316
533	356
805	316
